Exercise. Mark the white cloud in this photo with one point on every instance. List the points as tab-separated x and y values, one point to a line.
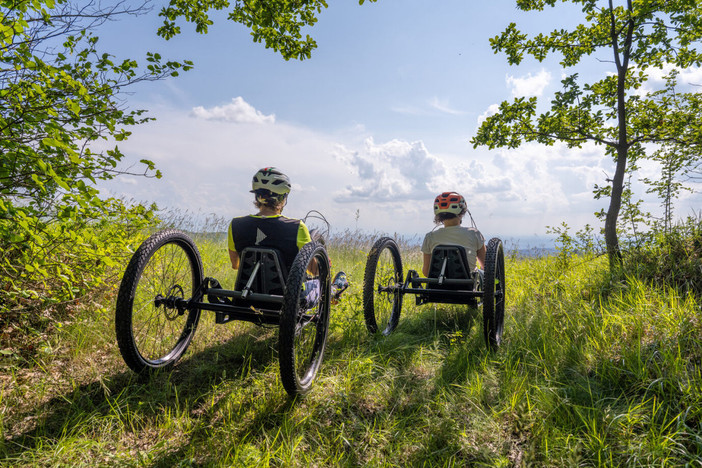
491	110
443	105
430	107
692	75
207	167
390	172
237	111
529	85
689	79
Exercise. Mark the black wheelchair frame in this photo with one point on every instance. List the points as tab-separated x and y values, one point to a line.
163	291
449	281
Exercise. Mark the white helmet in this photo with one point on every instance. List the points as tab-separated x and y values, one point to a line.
272	179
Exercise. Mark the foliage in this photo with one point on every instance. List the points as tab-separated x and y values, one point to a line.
278	24
59	104
75	257
670	257
615	111
569	247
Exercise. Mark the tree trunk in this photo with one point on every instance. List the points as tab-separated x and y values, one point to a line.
615	204
622	146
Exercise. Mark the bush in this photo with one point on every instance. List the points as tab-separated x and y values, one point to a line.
52	261
673	258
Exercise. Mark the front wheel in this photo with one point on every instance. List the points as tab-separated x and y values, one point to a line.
382	281
494	294
304	322
164	272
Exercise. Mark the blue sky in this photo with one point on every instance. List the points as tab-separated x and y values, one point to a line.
369	129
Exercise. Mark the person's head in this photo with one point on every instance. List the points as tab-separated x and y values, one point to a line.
271	188
449	205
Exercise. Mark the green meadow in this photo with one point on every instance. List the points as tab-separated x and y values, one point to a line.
594	370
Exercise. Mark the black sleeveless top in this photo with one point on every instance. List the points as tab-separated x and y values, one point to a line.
276	232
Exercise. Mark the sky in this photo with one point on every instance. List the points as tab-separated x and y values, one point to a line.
370	129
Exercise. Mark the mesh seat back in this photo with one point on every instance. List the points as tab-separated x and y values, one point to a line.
270	277
456	264
456	268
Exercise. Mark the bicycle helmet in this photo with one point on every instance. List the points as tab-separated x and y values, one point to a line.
450	202
271	179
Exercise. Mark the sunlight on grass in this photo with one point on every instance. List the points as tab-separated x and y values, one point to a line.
592	371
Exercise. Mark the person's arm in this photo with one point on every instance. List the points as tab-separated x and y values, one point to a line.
481	257
304	237
427	263
234	257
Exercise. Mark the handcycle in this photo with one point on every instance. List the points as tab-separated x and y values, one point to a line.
449	281
163	292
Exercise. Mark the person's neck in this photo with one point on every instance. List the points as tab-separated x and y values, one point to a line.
452	222
265	211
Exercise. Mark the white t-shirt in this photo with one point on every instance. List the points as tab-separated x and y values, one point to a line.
470	238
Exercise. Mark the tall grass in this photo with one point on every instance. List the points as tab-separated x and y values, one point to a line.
594	371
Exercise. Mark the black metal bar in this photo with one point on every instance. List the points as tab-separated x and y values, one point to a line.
442	292
269	298
235	312
442	278
446	281
247	289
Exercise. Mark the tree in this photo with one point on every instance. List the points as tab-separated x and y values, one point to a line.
59	96
614	111
276	23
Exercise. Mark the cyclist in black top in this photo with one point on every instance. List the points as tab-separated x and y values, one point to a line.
269	228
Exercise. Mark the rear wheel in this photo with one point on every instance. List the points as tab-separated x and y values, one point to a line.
494	294
382	281
153	329
303	332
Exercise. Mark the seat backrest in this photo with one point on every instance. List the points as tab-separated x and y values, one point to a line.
270	275
456	262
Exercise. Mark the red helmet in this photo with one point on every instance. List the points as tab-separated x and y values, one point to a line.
450	202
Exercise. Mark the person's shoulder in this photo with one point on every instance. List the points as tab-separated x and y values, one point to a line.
476	233
287	219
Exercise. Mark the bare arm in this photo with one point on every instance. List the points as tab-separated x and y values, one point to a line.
481	257
427	263
234	257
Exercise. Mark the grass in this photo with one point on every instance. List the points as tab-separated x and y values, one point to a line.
593	372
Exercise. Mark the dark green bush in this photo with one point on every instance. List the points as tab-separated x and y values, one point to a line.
672	258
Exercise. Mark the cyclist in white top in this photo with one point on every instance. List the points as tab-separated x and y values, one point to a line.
449	209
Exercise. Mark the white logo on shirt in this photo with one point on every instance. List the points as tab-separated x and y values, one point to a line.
259	236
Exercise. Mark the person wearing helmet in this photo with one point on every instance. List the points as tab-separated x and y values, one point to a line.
269	228
449	209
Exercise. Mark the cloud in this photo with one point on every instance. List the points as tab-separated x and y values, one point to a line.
491	110
689	79
208	164
529	85
428	108
237	111
443	106
390	171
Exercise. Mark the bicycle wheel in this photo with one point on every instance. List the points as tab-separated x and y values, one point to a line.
152	332
382	301
303	332
494	294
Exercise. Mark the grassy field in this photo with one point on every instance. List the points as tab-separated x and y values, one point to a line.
592	372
